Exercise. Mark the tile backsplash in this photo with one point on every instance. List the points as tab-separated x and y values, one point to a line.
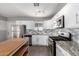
45	31
75	34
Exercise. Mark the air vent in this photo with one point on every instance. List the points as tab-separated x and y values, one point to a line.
36	4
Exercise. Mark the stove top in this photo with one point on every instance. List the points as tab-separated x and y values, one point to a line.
60	38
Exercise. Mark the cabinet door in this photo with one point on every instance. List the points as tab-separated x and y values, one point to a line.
39	40
43	40
61	52
34	40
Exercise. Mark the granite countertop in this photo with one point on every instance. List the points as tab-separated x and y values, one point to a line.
36	34
69	46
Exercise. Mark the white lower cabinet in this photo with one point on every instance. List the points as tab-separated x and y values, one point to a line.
61	52
40	40
34	39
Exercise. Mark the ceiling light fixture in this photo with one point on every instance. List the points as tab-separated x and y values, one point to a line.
36	4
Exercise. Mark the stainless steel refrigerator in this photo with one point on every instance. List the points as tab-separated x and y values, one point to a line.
18	31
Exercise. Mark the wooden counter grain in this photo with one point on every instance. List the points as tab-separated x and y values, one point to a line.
10	46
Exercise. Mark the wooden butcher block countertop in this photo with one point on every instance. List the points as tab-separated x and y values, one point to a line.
9	47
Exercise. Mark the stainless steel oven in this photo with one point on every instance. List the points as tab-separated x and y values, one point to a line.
50	45
52	42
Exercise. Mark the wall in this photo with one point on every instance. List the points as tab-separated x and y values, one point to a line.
3	28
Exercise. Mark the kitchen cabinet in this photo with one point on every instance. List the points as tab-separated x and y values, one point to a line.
61	52
29	24
40	40
43	40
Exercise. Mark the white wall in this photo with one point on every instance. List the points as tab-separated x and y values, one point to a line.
2	25
69	11
3	28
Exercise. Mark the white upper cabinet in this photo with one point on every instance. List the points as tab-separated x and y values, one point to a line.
29	24
69	11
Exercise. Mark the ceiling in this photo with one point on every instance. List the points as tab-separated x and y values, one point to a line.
44	10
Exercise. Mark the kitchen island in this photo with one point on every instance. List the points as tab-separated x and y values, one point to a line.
15	46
